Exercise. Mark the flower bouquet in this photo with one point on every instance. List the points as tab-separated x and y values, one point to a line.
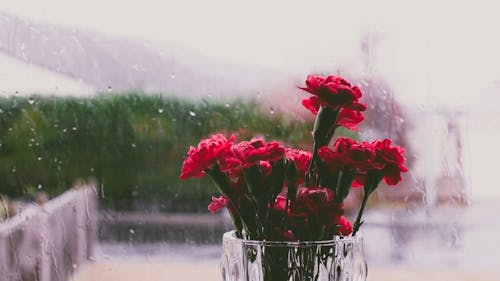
286	204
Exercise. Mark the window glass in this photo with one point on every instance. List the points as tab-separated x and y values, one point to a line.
106	97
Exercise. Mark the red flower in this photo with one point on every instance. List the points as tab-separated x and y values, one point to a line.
280	203
265	168
316	202
343	226
392	159
349	154
217	204
206	155
249	153
331	91
301	159
349	119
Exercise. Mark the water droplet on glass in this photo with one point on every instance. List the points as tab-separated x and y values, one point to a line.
74	128
131	231
227	105
1	111
74	266
39	186
39	158
271	110
192	113
172	76
160	110
132	145
56	125
110	89
401	120
91	169
65	130
31	100
14	169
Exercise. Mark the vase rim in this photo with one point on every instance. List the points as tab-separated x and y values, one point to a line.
230	235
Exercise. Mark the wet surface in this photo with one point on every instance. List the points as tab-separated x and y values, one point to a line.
463	237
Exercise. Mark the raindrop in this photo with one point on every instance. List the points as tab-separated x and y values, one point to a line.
74	128
65	130
56	125
160	110
10	129
40	186
110	89
172	76
31	100
131	231
14	169
91	169
39	158
1	111
271	110
74	266
192	113
401	120
174	119
133	145
227	105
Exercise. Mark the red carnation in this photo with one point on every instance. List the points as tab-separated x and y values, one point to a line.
349	119
249	153
344	227
391	158
331	91
217	204
301	159
206	155
316	202
349	154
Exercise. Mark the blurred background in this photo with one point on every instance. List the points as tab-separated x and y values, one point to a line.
111	94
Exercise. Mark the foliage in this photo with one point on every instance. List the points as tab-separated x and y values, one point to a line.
133	145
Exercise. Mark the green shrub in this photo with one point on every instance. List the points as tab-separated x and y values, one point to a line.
133	145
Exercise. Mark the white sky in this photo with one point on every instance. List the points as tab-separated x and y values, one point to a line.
427	50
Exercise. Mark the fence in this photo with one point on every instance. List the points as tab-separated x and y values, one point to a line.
49	242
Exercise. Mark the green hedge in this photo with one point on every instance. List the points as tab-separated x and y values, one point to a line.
133	145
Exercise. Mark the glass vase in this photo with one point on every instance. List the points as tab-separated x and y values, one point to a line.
340	259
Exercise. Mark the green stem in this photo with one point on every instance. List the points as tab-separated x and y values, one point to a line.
358	222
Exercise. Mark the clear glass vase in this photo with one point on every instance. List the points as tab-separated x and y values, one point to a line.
340	259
